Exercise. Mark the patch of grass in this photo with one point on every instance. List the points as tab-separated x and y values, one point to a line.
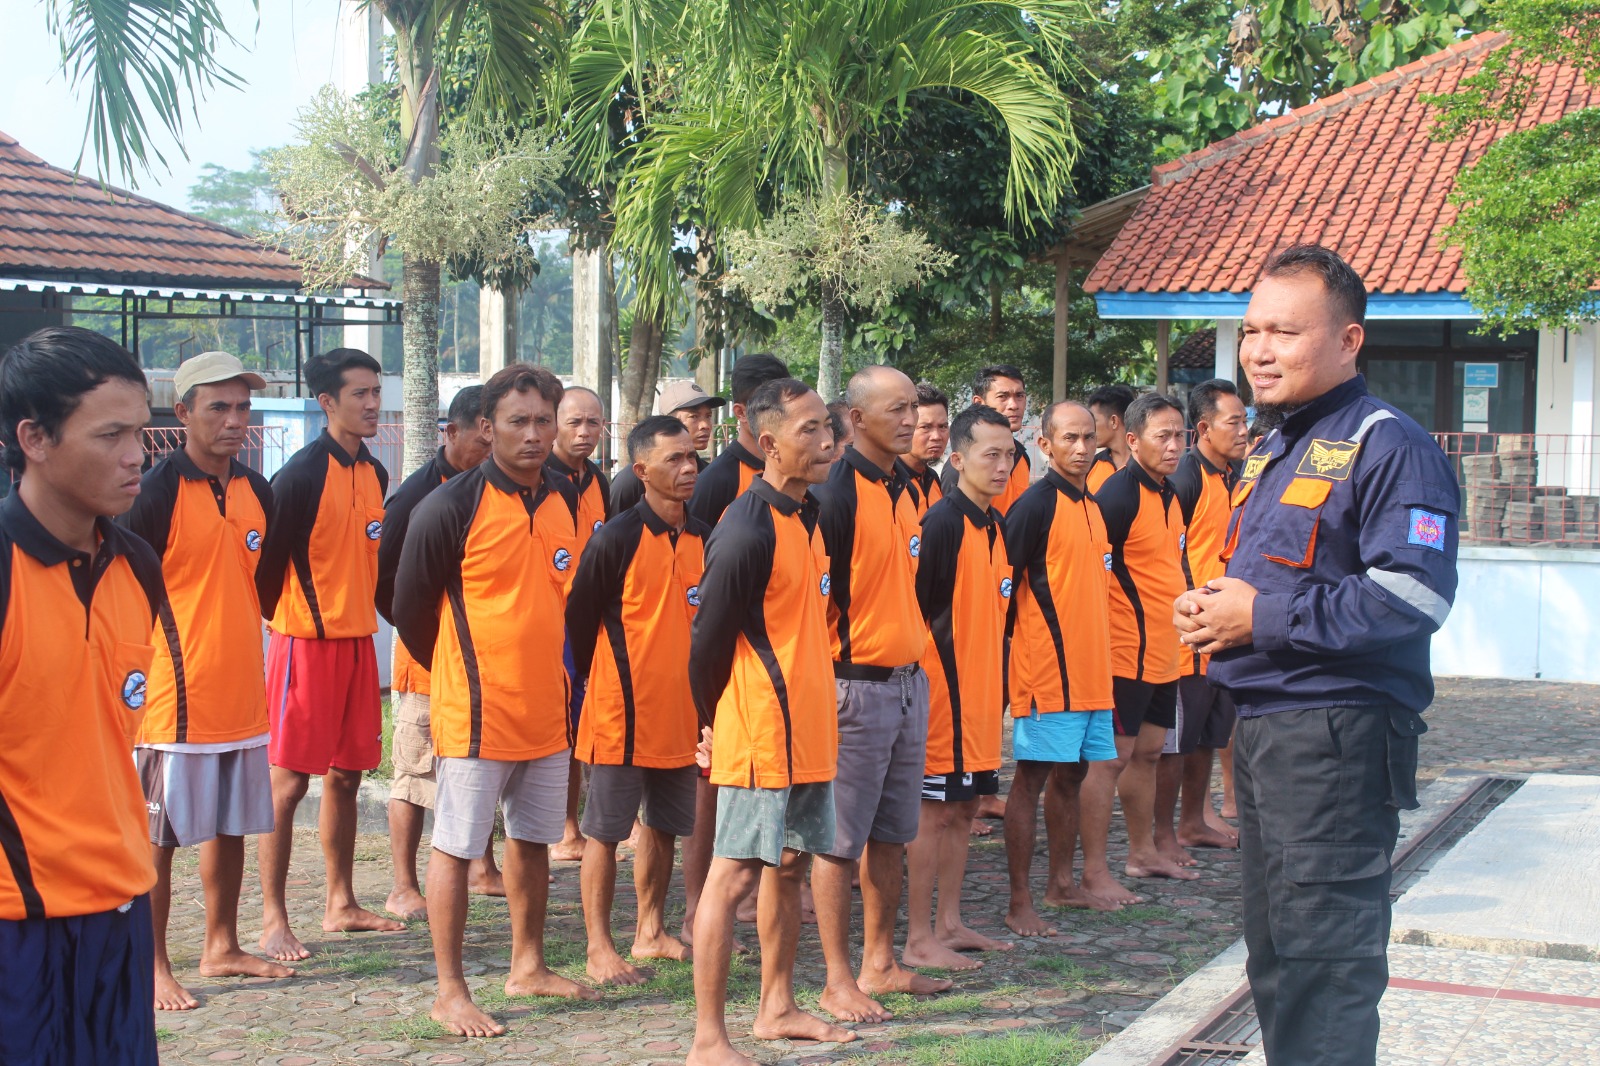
1139	912
385	769
265	1036
417	1027
1039	1047
361	963
164	1034
1070	973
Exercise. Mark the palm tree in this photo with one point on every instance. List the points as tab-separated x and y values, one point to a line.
782	96
139	56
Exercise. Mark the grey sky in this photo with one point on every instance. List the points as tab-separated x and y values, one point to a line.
282	63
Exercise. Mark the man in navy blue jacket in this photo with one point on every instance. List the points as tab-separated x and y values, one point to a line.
1341	558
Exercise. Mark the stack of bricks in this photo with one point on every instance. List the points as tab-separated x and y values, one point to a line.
1516	465
1486	498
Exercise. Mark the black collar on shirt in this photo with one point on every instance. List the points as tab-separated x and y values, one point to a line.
186	466
504	482
1162	488
868	469
1065	487
29	534
658	525
783	503
1303	418
745	456
345	458
978	516
582	477
442	467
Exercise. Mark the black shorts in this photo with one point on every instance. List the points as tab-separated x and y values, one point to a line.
1139	702
958	788
1205	717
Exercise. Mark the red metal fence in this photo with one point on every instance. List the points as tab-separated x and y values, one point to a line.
1527	488
258	441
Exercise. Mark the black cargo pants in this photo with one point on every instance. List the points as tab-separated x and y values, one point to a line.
1320	792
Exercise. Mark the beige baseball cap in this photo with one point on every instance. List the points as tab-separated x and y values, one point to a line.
684	394
208	368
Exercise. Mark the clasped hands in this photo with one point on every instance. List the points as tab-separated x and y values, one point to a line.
1216	616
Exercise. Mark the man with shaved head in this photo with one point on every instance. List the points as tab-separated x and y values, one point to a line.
872	533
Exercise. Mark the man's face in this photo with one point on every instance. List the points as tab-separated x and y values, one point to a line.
1159	447
932	434
355	409
93	464
1227	431
668	468
465	448
1068	443
887	417
580	423
216	424
1010	397
699	421
1107	425
802	446
985	464
1296	344
522	433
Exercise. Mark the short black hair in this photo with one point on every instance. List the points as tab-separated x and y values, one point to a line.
325	374
928	395
1049	415
643	437
1349	292
766	404
985	377
753	371
520	377
1267	420
465	407
1204	397
1140	410
1114	398
44	377
961	428
839	415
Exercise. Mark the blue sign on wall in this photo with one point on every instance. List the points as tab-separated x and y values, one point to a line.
1482	376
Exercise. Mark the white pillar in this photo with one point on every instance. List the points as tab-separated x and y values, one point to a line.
1227	365
497	331
1580	455
591	322
360	64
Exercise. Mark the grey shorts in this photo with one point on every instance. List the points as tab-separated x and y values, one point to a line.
662	800
883	746
759	823
412	752
533	794
195	797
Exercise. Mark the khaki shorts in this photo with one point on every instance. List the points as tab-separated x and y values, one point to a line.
412	751
532	793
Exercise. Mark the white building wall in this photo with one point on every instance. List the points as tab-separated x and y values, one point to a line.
1523	613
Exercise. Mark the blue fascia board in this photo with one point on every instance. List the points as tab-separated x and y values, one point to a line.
1427	305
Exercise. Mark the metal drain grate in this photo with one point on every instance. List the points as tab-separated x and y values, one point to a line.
1231	1032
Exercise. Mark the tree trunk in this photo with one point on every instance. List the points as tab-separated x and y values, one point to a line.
420	335
830	361
638	383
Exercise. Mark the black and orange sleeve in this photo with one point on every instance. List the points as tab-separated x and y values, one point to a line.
1119	506
836	517
739	559
716	487
396	520
626	490
1188	484
430	562
296	493
150	517
597	588
942	531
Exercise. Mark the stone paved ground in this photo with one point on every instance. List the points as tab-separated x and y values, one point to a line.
364	998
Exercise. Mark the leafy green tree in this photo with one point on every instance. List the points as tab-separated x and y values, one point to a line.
242	200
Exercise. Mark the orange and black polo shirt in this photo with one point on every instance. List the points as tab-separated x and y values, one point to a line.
872	534
926	483
964	587
1204	495
1021	478
405	675
479	599
1061	628
723	480
1101	469
1145	526
759	665
205	681
627	490
594	495
75	656
629	615
319	562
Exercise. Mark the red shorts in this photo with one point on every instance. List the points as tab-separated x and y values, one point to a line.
322	704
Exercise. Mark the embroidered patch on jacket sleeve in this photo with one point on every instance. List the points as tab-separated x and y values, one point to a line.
1426	529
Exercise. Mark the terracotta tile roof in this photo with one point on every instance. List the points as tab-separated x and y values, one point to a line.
1355	171
54	225
1197	352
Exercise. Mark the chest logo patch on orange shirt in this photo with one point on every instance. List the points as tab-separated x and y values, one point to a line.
916	546
374	530
826	584
694	595
133	687
1005	588
562	559
252	540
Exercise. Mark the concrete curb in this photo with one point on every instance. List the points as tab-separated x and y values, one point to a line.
372	807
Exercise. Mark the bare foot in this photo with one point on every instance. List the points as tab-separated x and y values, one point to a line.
1159	866
1207	837
848	1003
808	906
170	995
569	850
463	1017
660	947
1229	809
900	979
358	920
962	938
746	910
1176	855
981	828
406	904
487	884
1102	884
609	968
718	1053
632	843
796	1024
991	807
282	945
545	983
1218	822
1080	898
935	956
1023	920
239	964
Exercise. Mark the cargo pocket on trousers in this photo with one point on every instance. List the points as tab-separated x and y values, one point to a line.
1336	901
1405	726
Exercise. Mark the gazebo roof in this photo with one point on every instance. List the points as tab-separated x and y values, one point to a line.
57	226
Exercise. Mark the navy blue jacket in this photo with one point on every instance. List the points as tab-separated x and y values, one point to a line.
1345	522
